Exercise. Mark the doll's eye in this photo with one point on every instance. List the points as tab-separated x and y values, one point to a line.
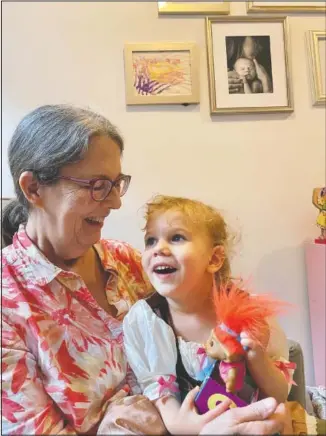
211	344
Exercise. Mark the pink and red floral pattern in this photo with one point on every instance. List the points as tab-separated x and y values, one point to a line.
62	356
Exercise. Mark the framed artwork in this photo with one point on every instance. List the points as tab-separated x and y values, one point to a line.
195	8
248	64
317	57
162	73
289	6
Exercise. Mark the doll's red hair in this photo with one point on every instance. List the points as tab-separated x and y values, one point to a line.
240	311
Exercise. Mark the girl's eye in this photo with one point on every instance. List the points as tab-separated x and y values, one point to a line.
178	238
149	242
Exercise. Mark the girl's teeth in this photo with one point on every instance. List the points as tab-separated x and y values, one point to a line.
164	269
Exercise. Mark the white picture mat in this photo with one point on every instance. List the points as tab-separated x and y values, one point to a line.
275	31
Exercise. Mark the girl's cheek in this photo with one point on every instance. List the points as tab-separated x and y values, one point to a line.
144	261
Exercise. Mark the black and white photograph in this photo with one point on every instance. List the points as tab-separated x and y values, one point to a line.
248	64
249	59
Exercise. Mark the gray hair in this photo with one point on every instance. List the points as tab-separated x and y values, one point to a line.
46	140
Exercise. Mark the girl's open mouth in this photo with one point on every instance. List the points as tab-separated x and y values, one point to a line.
164	269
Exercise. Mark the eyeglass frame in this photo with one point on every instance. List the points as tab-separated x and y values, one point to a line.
90	183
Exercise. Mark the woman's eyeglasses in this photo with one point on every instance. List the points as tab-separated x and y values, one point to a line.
101	188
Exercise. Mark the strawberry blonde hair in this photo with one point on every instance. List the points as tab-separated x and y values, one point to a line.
203	216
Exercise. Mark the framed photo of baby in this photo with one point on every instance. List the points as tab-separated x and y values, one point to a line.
248	65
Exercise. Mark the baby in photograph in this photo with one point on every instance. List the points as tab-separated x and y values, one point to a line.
245	66
246	70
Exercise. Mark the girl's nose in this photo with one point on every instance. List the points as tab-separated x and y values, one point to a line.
162	249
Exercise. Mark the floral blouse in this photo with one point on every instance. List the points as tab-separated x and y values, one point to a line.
62	355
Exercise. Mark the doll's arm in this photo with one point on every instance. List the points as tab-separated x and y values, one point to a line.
231	379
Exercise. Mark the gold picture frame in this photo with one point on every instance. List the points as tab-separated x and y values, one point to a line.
317	66
222	99
194	8
277	7
162	73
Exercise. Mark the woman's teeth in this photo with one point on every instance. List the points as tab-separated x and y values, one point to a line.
98	220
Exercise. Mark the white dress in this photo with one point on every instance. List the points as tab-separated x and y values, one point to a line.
150	345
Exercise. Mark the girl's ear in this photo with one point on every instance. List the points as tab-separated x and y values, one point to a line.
217	259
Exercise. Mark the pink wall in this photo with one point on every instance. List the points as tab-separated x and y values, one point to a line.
316	264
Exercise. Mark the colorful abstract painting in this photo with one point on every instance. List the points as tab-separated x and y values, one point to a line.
162	73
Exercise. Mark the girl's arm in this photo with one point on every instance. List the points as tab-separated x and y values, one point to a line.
261	364
266	375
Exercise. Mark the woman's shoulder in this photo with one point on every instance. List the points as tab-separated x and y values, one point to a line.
8	255
116	253
12	267
117	246
125	260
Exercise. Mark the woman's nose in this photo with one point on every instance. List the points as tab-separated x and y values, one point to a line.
115	199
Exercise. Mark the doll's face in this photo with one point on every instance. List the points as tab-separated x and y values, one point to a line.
214	348
217	351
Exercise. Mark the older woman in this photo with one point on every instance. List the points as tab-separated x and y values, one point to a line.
65	291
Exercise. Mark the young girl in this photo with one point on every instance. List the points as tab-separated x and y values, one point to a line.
185	249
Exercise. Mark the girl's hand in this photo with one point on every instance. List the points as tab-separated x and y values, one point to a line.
255	350
188	421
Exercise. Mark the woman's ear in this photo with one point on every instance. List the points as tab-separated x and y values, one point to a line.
30	187
217	259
